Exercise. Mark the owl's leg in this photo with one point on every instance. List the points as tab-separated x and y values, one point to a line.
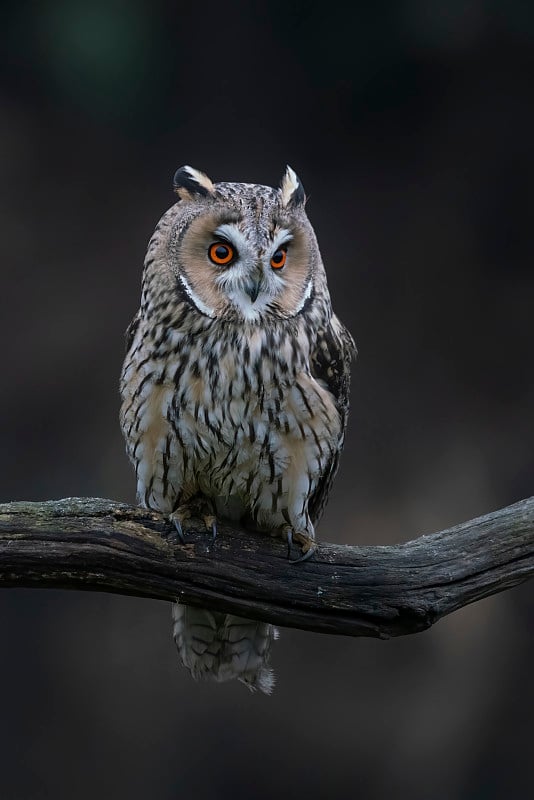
308	544
198	506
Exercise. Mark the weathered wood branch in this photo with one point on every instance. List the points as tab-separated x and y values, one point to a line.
86	543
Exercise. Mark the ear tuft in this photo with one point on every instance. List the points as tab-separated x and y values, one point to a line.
292	189
189	182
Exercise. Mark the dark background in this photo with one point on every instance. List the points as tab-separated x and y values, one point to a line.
411	125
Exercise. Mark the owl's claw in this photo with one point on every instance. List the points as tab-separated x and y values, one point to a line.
308	545
178	533
211	524
198	507
289	543
306	554
179	530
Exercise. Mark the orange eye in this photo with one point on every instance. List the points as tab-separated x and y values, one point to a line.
221	253
278	259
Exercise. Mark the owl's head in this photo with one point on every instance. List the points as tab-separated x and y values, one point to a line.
240	250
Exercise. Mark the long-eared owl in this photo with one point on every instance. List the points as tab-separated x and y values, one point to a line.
235	387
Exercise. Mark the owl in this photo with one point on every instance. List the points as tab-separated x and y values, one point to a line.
235	388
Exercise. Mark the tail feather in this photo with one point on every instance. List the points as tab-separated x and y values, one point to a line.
223	647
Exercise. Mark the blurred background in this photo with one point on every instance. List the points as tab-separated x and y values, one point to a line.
411	126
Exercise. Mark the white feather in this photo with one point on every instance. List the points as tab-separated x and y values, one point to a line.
201	179
202	307
231	233
290	184
305	296
282	237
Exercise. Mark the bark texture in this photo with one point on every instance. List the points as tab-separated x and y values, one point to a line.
95	544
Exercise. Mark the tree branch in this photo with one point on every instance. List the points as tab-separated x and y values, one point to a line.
86	543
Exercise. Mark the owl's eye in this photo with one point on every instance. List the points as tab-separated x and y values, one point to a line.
278	259
221	253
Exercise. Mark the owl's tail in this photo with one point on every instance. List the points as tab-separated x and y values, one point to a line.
220	647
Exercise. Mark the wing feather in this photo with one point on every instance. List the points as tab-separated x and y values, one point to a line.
330	365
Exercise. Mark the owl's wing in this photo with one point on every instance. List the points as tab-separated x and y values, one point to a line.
131	330
330	365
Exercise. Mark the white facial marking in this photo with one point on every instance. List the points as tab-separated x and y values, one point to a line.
306	295
232	280
202	307
282	237
250	311
231	233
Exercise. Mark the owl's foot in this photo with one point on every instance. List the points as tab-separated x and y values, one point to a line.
196	507
308	545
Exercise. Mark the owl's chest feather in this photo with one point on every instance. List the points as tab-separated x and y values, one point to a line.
231	422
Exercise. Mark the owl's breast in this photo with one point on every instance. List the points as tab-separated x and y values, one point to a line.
260	439
243	428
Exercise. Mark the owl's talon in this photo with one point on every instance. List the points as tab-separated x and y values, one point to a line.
289	534
178	528
177	518
211	524
308	546
306	554
198	507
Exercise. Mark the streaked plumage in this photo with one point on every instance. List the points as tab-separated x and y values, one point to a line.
235	385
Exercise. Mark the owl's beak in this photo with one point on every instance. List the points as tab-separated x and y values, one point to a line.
252	286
